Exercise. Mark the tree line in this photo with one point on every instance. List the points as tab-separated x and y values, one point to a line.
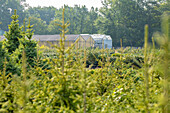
122	19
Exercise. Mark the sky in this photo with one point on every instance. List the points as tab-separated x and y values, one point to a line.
60	3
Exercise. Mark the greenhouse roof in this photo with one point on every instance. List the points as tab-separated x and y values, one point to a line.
85	36
71	37
50	37
108	37
54	37
101	37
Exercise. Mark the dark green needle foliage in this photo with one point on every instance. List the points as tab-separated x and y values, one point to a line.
28	45
11	44
13	35
2	55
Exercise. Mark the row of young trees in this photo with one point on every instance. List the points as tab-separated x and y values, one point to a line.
18	41
123	19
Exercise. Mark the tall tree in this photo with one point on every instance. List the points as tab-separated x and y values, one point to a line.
126	19
81	20
7	9
45	13
92	16
13	35
106	22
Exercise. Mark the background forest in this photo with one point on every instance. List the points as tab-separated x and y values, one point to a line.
119	18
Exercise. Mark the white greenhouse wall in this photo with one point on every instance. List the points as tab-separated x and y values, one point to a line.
102	40
107	44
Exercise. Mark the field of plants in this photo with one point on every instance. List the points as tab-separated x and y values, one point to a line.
41	80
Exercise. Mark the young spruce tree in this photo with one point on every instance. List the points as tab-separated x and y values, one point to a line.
13	35
28	45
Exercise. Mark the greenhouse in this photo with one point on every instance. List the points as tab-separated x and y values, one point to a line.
84	40
102	41
48	40
89	41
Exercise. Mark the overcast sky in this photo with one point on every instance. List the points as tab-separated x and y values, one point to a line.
60	3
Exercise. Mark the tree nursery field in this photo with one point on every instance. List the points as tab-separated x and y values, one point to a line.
67	80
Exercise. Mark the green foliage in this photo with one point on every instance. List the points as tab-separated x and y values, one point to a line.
69	85
124	19
40	26
29	46
2	55
162	64
7	9
52	27
13	35
12	44
15	44
116	87
45	13
82	20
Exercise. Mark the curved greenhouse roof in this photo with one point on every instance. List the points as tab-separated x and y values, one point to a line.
101	37
107	37
98	36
